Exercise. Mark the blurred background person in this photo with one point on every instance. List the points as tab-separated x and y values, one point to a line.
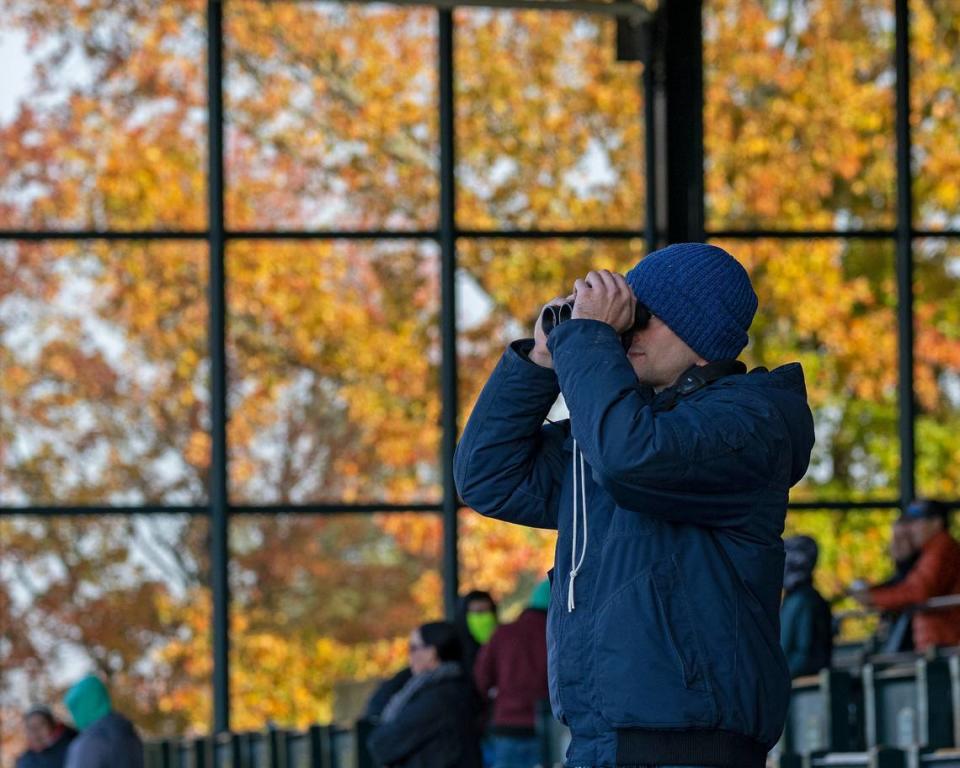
476	622
806	625
107	739
431	721
936	573
511	670
47	740
894	633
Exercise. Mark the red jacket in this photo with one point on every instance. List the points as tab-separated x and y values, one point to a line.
936	573
514	663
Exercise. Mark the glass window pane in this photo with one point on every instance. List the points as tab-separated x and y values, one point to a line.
831	305
935	93
502	285
549	126
332	112
310	635
853	545
334	386
102	116
937	366
506	560
103	373
799	114
69	585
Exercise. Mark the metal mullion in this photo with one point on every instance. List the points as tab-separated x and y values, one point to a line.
904	258
616	8
448	315
373	234
335	509
552	234
800	234
944	233
218	502
841	506
91	234
74	510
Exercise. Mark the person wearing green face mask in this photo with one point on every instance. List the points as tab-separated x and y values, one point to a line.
107	738
482	625
476	622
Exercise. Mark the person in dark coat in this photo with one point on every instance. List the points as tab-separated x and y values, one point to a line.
668	486
806	624
476	620
47	740
431	721
107	739
511	670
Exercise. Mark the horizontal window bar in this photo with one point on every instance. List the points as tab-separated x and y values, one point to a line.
336	509
291	234
801	234
844	505
242	509
616	8
90	234
558	234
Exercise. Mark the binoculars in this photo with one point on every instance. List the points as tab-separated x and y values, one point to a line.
554	314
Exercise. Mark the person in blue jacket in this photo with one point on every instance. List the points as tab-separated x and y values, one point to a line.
668	486
107	739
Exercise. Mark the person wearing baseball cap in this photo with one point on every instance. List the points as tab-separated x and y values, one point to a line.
668	487
936	573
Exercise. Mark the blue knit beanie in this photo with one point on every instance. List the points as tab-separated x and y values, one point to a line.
702	293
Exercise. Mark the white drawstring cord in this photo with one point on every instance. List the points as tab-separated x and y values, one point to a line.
577	564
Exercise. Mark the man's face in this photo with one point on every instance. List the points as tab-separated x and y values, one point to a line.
659	356
39	732
924	529
901	542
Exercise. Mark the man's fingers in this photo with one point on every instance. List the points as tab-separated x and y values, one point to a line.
621	282
606	279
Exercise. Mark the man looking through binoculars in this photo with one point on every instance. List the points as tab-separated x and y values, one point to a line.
668	488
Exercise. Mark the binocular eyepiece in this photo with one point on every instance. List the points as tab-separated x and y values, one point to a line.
555	314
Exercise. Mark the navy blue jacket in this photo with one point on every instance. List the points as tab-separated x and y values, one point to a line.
671	654
110	742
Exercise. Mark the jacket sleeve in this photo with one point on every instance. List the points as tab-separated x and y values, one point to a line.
385	692
419	722
928	578
702	447
485	668
508	465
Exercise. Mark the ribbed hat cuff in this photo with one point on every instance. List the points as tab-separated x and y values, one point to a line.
711	340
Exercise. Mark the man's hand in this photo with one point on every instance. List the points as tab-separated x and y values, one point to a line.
860	591
540	354
605	296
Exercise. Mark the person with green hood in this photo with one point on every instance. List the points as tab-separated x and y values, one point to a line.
107	739
511	670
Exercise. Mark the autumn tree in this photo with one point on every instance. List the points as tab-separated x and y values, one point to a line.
334	345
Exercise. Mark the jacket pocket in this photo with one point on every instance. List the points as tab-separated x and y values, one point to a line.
649	660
